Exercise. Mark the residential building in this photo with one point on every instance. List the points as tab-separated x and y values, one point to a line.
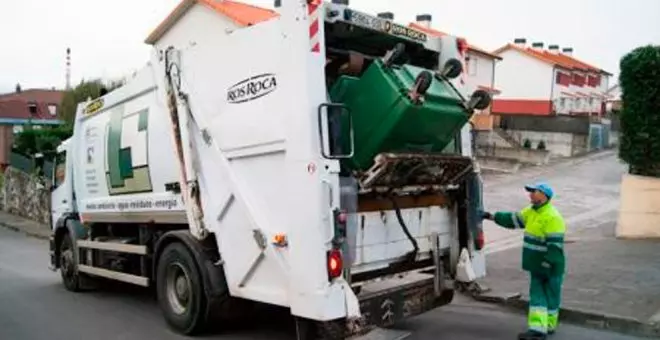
613	101
34	107
479	70
539	81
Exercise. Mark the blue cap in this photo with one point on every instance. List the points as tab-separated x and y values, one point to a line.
542	187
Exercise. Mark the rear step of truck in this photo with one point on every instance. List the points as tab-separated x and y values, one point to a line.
414	172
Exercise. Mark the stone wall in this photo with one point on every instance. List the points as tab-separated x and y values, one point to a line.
26	195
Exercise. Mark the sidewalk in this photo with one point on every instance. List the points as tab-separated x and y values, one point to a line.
610	283
26	226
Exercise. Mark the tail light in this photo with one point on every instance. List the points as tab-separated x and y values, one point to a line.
480	240
335	264
462	45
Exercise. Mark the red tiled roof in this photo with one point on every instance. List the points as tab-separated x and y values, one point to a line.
437	33
16	105
241	13
558	59
522	107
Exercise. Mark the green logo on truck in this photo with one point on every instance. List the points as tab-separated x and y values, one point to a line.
127	163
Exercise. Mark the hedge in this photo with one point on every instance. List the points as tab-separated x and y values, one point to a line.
639	144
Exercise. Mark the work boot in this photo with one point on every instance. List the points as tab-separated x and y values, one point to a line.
531	335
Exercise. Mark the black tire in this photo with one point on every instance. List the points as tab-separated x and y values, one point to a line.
453	68
483	99
423	82
180	290
397	54
71	278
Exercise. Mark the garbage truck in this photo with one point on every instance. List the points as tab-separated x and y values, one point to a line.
319	160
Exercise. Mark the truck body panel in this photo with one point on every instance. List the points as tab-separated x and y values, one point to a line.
225	137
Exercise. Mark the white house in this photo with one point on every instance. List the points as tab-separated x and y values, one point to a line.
479	70
538	81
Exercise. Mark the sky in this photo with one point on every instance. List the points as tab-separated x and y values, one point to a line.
106	37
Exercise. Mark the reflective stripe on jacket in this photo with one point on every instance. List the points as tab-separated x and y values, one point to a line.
543	246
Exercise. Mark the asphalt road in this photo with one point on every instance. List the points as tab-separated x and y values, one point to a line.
34	305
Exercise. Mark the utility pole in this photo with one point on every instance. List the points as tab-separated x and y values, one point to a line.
68	69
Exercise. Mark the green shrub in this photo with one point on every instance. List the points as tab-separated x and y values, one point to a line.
527	144
640	117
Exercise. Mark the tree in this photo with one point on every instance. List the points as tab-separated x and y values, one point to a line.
32	141
18	88
85	90
640	116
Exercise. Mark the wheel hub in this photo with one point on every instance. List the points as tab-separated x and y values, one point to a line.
178	286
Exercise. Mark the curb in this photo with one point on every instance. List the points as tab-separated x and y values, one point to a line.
42	235
591	319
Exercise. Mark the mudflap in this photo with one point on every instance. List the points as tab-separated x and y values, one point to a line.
384	308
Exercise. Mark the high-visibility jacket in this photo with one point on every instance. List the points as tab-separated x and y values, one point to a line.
543	247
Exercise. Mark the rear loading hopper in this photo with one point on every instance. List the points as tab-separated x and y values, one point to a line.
398	109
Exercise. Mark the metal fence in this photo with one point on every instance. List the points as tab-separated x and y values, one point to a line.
31	165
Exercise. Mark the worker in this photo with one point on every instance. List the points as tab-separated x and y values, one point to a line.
542	256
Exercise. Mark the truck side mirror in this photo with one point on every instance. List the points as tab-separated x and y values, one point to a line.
337	120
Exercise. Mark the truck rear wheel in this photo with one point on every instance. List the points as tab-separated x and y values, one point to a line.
180	290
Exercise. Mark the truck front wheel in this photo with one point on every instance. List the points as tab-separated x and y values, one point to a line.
71	277
180	290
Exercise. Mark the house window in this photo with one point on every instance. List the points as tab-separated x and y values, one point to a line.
471	65
32	107
562	103
52	109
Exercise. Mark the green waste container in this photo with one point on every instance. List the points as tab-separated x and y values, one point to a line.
385	119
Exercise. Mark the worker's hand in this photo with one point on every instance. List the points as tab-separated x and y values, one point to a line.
486	215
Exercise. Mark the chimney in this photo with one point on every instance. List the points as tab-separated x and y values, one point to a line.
554	49
340	2
278	3
520	42
568	51
424	20
538	46
386	15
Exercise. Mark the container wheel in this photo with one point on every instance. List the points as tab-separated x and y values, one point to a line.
394	55
482	99
180	291
423	82
73	280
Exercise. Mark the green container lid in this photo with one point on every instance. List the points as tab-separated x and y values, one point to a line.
385	119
